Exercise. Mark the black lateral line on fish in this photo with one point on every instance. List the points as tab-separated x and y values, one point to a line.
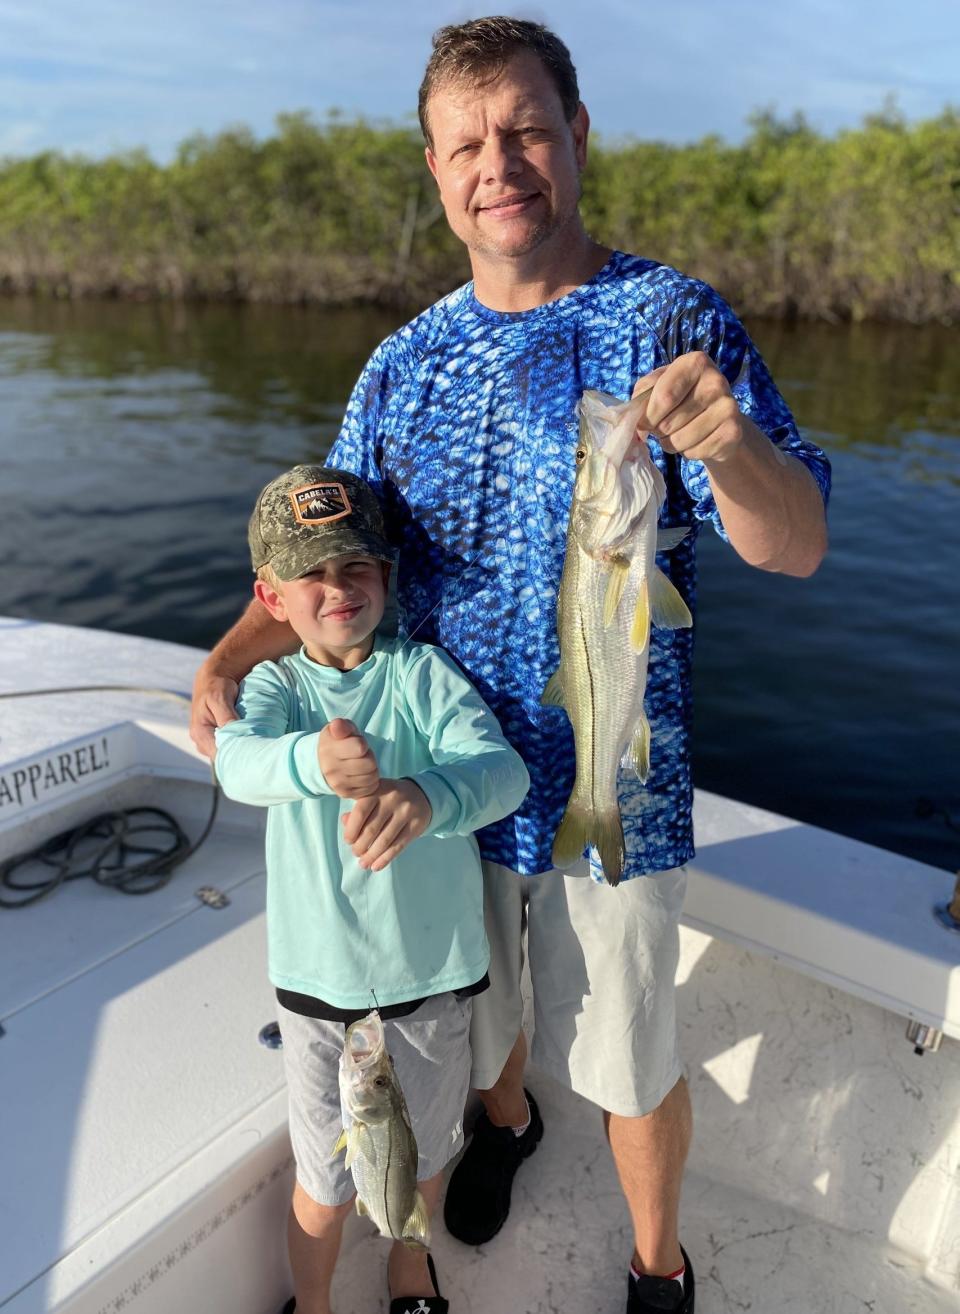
386	1179
593	719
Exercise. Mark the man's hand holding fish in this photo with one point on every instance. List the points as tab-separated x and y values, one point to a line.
692	412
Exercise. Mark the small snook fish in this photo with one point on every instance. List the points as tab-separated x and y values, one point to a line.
611	591
380	1145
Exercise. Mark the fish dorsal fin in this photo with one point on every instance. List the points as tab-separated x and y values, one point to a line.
636	757
552	695
669	538
616	583
640	630
667	609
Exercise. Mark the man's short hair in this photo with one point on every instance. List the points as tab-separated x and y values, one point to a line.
476	52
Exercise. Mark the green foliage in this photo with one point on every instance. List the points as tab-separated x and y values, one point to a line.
862	225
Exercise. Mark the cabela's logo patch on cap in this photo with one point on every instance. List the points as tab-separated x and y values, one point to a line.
317	504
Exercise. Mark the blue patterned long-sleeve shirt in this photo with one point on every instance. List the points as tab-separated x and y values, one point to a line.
464	422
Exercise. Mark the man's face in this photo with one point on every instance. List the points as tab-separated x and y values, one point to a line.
505	159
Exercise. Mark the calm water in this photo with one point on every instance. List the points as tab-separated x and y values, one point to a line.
134	439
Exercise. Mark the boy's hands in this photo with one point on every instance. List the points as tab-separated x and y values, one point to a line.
381	824
348	765
387	814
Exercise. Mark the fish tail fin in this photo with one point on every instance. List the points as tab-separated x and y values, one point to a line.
572	836
602	829
416	1230
609	843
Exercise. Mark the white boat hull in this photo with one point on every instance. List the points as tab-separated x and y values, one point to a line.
145	1160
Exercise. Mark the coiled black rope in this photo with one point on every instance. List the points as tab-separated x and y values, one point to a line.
132	850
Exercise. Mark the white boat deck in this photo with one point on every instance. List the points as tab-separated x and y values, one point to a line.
145	1161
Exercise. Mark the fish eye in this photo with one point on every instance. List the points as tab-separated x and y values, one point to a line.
581	455
380	1081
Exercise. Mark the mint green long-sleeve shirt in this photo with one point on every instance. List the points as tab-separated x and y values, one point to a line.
334	930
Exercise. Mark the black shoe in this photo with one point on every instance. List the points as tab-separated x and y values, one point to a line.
654	1295
478	1197
432	1304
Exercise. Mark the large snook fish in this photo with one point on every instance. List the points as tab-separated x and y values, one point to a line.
380	1145
611	591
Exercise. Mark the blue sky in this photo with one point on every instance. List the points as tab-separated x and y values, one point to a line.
103	75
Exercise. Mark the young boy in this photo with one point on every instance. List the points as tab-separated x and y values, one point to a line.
378	904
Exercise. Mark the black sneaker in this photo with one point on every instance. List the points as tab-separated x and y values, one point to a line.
654	1295
434	1304
478	1197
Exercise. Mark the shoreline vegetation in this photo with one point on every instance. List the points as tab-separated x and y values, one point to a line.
789	224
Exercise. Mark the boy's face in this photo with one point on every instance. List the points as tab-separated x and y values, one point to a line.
334	609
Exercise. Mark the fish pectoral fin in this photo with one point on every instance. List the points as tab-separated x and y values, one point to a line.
343	1143
640	630
416	1230
668	610
362	1208
616	583
552	695
669	538
636	757
360	1141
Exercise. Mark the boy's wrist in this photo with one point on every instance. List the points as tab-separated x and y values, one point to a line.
444	805
307	765
412	780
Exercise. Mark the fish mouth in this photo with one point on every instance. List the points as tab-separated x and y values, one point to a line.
364	1042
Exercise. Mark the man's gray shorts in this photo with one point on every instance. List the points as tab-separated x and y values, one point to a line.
431	1054
602	963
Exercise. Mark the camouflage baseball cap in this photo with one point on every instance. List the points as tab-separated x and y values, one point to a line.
312	513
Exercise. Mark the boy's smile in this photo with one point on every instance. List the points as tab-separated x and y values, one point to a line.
334	609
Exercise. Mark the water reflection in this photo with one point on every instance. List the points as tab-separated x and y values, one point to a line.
134	438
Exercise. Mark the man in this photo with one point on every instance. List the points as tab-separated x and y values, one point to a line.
464	422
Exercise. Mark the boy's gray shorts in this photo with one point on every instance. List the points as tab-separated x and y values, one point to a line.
430	1049
603	963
